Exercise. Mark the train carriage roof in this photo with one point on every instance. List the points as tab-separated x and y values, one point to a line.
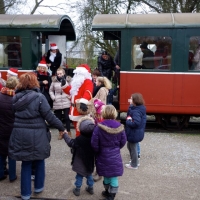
52	24
164	20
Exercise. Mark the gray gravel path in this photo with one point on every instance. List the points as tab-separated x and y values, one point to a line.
169	170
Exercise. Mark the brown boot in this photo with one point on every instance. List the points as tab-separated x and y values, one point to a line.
60	136
70	134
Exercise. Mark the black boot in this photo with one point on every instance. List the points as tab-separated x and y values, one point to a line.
105	193
110	197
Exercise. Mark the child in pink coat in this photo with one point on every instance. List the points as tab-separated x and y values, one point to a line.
98	104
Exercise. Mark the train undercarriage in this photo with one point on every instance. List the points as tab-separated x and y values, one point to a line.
173	121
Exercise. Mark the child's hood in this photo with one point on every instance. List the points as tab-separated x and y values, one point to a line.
111	126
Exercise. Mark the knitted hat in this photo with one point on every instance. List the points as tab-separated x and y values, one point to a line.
53	46
86	126
13	72
42	63
98	104
84	68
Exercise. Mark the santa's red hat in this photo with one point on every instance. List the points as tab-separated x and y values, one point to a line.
13	72
84	67
42	64
53	46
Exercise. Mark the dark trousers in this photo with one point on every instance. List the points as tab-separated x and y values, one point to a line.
58	114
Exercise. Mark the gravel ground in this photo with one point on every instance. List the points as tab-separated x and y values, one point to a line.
169	170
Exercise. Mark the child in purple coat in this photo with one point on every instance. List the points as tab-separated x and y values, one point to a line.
107	140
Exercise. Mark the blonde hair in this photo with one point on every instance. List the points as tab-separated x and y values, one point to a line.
12	82
109	112
61	69
105	81
38	68
137	99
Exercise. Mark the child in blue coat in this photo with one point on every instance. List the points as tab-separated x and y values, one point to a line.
135	127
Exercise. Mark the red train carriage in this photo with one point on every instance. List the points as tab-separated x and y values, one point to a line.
159	58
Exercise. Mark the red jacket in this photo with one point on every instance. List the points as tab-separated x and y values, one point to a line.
84	94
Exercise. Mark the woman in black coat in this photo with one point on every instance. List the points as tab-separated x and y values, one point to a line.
30	138
53	58
6	126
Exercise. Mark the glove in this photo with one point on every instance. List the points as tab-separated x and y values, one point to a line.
129	118
83	107
63	81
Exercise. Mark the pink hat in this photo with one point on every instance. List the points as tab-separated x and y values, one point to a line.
53	46
13	72
98	104
42	63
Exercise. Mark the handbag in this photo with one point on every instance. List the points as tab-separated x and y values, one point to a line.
89	105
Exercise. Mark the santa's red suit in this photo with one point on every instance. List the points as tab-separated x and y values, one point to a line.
81	88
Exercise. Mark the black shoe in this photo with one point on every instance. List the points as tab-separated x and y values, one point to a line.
89	190
5	171
13	179
3	178
76	191
105	193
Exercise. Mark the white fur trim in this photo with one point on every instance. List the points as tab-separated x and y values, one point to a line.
64	86
12	73
81	70
54	47
85	101
42	65
76	118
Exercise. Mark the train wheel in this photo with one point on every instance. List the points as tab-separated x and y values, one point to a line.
173	121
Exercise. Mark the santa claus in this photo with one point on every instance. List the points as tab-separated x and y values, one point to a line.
81	88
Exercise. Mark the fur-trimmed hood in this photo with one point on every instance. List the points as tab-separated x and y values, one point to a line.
82	119
111	126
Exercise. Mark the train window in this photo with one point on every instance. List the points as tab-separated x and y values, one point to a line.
194	53
10	51
151	53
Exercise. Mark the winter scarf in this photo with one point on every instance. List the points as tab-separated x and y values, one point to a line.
5	90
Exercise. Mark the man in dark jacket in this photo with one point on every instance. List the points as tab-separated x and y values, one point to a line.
148	56
106	65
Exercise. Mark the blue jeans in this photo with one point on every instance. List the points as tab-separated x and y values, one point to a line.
138	148
79	180
11	167
26	178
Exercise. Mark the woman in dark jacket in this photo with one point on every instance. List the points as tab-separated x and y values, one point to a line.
135	127
44	80
53	58
106	65
6	126
30	138
107	140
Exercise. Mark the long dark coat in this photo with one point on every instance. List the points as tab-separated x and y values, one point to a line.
6	122
30	138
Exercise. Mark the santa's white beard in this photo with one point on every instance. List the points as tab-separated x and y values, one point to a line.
76	83
80	75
